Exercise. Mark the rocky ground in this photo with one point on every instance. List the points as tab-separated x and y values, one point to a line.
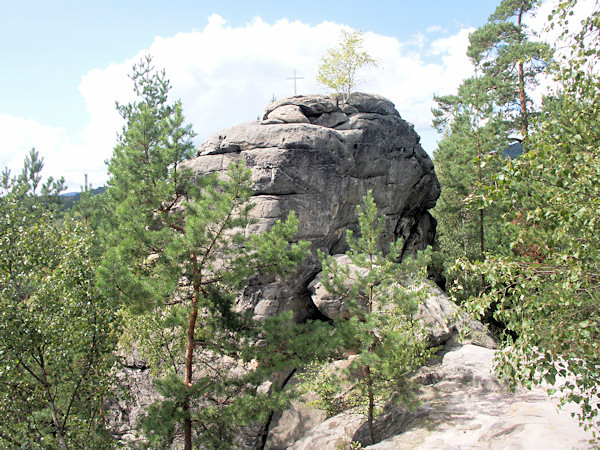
463	407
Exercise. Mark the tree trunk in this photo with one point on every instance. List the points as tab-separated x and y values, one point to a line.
481	245
522	96
371	404
60	433
524	121
367	368
59	428
189	359
481	213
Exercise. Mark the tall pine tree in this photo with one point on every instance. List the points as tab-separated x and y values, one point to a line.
489	111
383	296
506	52
176	255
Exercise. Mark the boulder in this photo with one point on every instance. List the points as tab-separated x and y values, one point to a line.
441	316
329	305
334	433
292	424
318	157
288	114
447	324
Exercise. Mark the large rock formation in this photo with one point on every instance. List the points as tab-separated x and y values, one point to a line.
317	157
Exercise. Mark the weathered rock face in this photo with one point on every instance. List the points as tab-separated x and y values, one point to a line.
319	158
292	424
123	413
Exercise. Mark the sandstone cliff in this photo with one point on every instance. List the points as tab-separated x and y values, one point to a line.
317	157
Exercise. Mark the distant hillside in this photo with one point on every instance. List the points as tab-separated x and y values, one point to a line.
513	151
70	198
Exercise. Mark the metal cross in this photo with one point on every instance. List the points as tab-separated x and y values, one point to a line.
295	78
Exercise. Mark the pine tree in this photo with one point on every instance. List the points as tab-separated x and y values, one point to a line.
27	188
176	256
476	124
383	296
505	53
85	206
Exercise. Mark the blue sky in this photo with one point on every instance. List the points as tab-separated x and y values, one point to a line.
66	62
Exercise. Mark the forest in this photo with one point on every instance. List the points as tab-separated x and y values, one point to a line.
154	262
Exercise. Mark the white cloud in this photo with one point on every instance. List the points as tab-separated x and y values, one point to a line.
227	75
419	40
410	82
435	29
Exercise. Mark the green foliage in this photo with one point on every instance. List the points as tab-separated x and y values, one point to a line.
85	206
546	289
338	68
177	255
57	332
332	393
467	159
383	296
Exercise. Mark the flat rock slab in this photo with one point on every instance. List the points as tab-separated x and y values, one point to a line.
493	421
